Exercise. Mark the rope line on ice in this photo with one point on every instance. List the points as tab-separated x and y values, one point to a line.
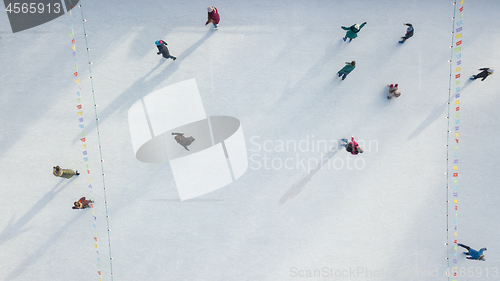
84	144
453	128
99	141
83	140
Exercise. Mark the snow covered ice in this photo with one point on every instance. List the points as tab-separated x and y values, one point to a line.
301	211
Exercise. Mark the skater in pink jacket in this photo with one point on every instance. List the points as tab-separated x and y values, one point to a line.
352	147
213	16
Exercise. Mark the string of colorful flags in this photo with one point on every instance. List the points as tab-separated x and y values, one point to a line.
453	131
83	141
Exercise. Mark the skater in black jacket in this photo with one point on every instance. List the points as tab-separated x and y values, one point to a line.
483	74
162	49
409	32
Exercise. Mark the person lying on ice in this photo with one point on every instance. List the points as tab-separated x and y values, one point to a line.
474	255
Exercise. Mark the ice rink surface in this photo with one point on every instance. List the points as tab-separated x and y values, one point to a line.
272	65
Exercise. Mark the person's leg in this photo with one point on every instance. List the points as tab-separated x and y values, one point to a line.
345	38
215	26
344	76
463	246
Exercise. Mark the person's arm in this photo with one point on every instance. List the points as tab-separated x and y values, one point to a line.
408	24
185	147
486	68
361	26
345	28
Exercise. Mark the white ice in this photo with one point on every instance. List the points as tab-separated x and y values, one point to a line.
272	65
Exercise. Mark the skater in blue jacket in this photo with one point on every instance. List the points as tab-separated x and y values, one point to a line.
474	255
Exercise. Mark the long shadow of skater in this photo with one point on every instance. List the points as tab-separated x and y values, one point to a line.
12	230
300	185
33	258
143	87
433	116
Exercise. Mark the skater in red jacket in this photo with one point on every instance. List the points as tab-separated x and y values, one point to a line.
82	203
213	16
352	147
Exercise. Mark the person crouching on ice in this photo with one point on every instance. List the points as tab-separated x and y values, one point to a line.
162	49
182	140
213	16
352	147
474	255
483	74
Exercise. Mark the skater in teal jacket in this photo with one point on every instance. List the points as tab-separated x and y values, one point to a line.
349	66
352	32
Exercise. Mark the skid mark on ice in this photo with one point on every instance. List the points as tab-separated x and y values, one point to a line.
437	111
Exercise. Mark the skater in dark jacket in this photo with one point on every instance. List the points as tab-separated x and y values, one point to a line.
162	49
474	255
352	31
483	74
64	173
82	203
346	69
213	16
182	140
352	147
409	32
